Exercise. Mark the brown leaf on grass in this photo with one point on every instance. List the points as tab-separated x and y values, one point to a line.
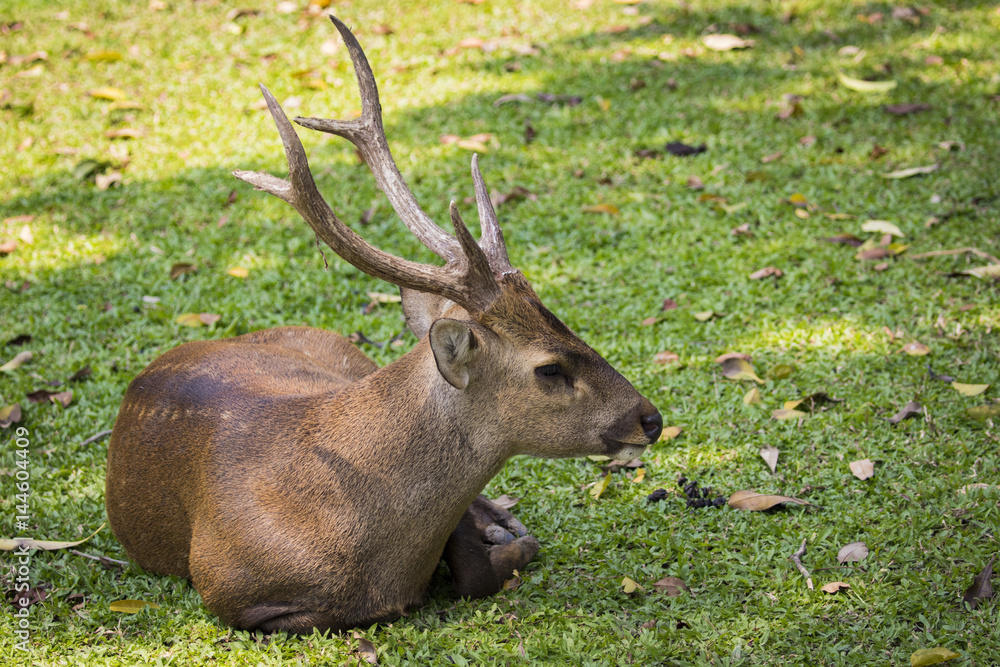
772	157
681	149
752	501
741	230
854	552
910	410
672	586
872	254
723	42
649	321
664	358
845	239
669	433
735	368
209	318
8	246
124	133
770	456
981	588
877	152
19	358
367	652
834	587
516	193
81	374
862	469
10	414
787	413
904	109
63	398
22	599
916	349
505	501
669	304
766	272
608	209
733	355
180	268
813	401
695	183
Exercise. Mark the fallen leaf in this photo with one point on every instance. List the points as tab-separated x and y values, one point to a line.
733	355
103	56
969	389
669	304
980	486
981	588
704	315
916	349
911	409
766	272
854	552
780	371
189	320
40	395
912	171
609	209
904	109
988	271
629	586
132	606
862	86
931	656
741	230
695	183
640	474
472	145
124	133
649	321
772	157
238	272
755	502
209	318
669	433
812	401
739	369
10	414
770	456
107	93
752	397
862	469
664	358
984	412
723	42
180	268
834	587
845	239
672	586
81	374
365	648
873	254
682	150
63	398
16	362
44	545
600	487
7	247
881	227
787	413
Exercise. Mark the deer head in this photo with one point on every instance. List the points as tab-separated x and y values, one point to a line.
494	343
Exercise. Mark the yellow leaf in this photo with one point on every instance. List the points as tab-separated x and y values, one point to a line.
752	397
787	414
984	412
600	487
381	297
472	145
931	656
238	272
132	606
988	271
755	502
44	545
791	405
189	320
630	586
704	315
798	199
865	86
780	371
640	475
912	171
880	227
610	209
603	103
916	349
669	433
862	469
10	415
107	93
103	56
801	213
969	389
19	359
735	368
717	42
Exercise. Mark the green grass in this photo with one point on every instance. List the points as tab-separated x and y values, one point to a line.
76	285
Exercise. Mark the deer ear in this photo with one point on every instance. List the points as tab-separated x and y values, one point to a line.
455	348
421	309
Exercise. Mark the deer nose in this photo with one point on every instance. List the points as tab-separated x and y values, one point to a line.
652	425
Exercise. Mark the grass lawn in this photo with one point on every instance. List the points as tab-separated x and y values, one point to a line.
117	147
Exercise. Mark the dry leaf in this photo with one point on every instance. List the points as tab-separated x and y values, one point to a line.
649	321
472	145
44	545
916	349
630	586
911	409
609	209
669	433
132	606
189	320
681	149
931	656
63	398
969	389
752	397
780	371
772	157
863	86
988	271
695	183
766	272
881	227
912	171
107	93
862	469
904	109
770	456
124	133
854	552
755	502
10	415
367	651
664	358
16	362
834	587
981	588
984	412
739	369
238	272
672	586
726	42
787	413
733	355
209	318
180	268
505	501
600	487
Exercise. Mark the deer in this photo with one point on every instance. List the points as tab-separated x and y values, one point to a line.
299	486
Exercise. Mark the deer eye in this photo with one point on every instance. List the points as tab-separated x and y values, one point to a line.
549	371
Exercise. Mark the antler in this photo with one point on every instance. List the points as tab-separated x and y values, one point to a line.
469	277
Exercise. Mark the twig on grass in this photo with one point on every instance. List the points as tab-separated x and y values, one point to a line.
795	558
957	251
95	438
101	559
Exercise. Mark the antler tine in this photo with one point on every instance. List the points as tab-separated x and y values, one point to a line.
368	134
462	282
491	236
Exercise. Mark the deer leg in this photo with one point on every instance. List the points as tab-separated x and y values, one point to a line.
486	548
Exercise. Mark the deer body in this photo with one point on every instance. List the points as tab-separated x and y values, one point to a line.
299	486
